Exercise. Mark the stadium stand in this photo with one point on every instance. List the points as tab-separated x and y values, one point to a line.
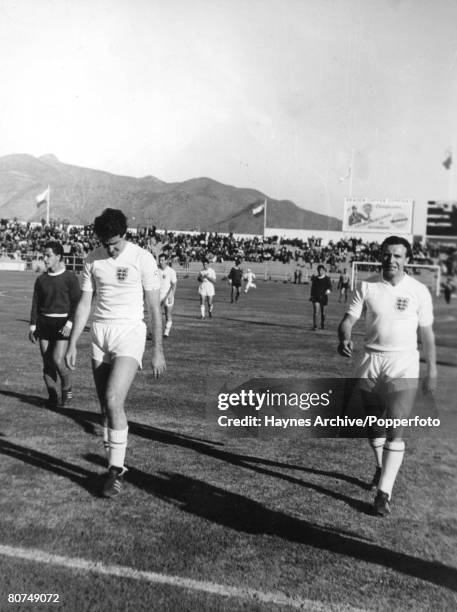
278	256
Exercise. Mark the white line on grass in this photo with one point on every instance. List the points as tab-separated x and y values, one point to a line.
277	598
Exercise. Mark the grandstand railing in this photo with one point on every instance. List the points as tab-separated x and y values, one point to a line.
267	270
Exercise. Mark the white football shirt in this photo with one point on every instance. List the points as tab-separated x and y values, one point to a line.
393	313
207	274
167	277
118	283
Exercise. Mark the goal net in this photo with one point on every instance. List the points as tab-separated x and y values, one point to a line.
429	275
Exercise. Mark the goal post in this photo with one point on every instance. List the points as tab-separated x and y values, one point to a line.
429	275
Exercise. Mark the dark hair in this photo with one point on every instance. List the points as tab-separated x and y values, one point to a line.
110	223
321	267
162	256
391	240
55	247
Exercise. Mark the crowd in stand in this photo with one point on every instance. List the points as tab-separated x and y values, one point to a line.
25	240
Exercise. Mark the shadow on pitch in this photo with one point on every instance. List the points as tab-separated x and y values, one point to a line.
88	420
241	321
248	516
83	418
256	464
33	400
82	477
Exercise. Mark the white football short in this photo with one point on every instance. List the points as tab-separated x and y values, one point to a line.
389	371
168	302
206	290
111	339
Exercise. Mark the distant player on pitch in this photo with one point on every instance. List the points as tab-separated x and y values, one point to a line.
207	280
55	297
124	278
396	305
249	278
168	282
343	286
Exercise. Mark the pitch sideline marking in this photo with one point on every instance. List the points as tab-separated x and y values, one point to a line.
278	598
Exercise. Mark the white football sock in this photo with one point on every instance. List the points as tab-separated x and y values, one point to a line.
202	310
392	458
117	446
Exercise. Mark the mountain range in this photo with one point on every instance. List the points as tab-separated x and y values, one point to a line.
78	194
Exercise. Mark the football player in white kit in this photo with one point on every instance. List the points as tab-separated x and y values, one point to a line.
124	278
206	278
249	278
388	372
168	282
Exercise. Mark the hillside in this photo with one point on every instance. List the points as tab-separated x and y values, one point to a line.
78	194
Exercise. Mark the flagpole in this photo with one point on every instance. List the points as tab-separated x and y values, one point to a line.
451	178
351	172
47	205
265	218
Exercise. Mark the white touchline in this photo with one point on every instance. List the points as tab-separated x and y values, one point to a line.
277	598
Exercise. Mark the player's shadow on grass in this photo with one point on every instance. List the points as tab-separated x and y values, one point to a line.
85	419
262	323
251	463
245	515
251	322
33	400
87	480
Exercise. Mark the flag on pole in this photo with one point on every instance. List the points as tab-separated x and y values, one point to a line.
346	176
447	163
42	198
258	209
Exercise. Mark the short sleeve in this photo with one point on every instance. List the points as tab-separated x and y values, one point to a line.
87	281
174	278
356	306
150	277
425	308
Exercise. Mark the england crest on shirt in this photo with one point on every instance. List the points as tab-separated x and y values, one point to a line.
401	303
122	273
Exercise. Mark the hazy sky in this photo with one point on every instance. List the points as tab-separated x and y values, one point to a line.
270	94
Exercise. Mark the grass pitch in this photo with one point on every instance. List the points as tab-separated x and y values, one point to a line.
291	521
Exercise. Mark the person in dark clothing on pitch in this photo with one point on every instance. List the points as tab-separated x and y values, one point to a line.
55	297
321	286
235	277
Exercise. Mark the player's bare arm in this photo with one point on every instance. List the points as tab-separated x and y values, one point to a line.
346	345
154	320
428	344
66	329
171	292
81	316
